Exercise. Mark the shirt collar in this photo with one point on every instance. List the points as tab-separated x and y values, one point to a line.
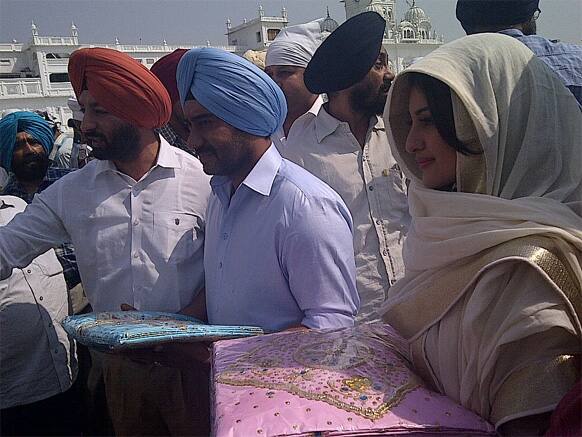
316	105
261	177
326	124
512	32
376	123
167	158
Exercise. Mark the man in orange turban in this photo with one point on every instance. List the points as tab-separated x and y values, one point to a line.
121	85
136	217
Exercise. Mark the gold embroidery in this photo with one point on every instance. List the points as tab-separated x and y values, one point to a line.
367	413
358	383
324	374
446	287
546	381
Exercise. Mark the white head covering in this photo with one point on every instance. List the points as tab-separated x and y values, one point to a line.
75	108
512	106
257	57
527	182
295	45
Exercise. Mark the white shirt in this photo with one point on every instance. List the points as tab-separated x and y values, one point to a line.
36	357
279	139
137	242
373	187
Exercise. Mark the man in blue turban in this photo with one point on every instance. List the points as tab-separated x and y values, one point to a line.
26	140
278	241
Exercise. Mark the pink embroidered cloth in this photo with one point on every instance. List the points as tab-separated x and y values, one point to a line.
347	382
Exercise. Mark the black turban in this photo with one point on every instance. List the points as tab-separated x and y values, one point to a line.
346	56
473	13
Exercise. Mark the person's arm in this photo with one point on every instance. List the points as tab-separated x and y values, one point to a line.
31	233
318	257
196	308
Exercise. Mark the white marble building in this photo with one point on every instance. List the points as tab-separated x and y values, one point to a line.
406	40
34	75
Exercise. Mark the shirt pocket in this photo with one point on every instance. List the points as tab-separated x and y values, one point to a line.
180	235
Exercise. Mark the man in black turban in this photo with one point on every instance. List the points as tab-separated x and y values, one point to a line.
517	18
345	145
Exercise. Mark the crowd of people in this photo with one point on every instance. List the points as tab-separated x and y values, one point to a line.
319	192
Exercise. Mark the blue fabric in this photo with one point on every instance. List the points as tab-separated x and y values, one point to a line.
279	252
233	89
118	330
22	121
565	59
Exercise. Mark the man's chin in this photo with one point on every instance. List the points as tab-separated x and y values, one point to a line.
31	174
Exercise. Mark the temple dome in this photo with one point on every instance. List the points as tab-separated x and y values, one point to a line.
329	24
415	15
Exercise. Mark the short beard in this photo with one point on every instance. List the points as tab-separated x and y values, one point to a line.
123	146
32	168
367	101
529	28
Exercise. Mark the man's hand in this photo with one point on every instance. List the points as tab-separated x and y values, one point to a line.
177	355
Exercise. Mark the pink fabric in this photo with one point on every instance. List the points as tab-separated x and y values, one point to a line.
339	382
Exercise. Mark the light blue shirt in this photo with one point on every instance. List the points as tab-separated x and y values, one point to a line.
279	252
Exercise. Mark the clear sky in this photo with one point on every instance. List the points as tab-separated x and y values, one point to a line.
196	21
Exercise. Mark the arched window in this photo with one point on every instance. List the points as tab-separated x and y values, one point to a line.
408	33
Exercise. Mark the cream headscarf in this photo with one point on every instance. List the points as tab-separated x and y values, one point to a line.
510	105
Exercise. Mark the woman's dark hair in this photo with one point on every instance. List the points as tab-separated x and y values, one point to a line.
438	96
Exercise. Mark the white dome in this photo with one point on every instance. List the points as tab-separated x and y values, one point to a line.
415	15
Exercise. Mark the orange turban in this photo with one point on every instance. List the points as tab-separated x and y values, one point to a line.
121	85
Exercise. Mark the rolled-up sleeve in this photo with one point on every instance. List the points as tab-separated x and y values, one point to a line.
31	233
319	261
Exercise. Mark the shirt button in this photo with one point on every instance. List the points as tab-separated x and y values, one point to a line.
135	255
224	236
135	222
378	222
371	188
56	351
220	265
40	298
29	271
384	252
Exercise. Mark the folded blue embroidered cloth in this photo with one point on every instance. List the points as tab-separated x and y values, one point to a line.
112	331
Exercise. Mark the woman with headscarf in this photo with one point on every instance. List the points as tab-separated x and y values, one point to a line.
491	301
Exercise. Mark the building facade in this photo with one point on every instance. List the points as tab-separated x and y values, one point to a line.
33	76
406	40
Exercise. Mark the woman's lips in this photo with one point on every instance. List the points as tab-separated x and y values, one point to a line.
425	162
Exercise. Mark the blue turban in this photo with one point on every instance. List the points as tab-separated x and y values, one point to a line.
22	121
233	89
